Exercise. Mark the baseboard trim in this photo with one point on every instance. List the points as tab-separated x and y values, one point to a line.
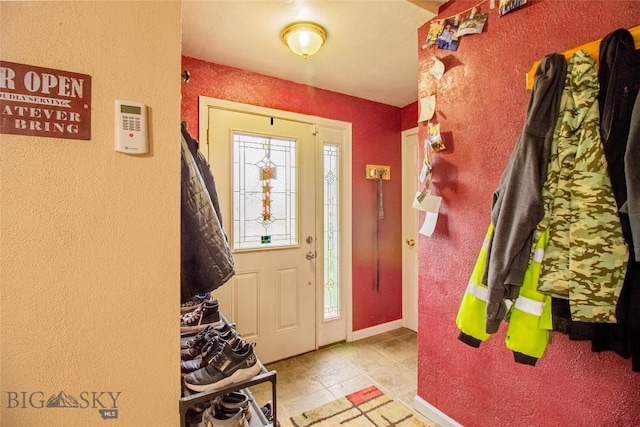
434	414
375	330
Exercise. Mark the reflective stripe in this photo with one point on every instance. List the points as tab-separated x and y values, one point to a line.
529	306
522	303
485	243
538	255
478	291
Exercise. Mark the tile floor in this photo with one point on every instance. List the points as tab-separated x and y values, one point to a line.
387	360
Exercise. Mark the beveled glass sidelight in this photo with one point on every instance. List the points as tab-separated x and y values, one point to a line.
331	161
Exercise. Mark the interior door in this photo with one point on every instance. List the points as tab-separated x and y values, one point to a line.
265	178
410	228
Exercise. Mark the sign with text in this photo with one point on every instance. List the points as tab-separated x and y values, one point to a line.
40	101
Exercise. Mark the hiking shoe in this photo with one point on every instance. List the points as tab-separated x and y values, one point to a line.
213	418
228	366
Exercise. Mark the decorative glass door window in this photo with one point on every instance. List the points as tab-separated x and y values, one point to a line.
331	236
265	202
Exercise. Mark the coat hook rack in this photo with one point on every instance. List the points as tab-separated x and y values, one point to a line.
592	48
186	76
378	172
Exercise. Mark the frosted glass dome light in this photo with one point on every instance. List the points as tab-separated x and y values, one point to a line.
304	38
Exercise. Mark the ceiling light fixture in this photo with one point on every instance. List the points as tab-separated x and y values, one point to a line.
304	38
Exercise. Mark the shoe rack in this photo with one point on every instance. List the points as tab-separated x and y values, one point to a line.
258	419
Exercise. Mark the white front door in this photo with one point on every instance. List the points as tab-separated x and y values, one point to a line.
265	172
410	227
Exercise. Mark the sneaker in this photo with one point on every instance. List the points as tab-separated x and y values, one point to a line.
200	318
193	303
267	411
232	401
195	410
192	418
228	366
193	346
201	314
188	366
188	340
204	337
213	418
209	351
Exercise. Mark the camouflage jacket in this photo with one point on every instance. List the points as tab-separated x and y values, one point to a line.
586	256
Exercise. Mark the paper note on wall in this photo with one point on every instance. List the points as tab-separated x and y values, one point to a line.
427	107
437	70
431	205
429	225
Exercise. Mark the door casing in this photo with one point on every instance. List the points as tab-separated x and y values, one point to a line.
323	336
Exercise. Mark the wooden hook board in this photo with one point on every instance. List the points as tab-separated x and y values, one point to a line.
592	48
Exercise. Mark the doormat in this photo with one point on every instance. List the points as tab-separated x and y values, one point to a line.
367	407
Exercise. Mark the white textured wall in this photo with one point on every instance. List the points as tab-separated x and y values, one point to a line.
90	238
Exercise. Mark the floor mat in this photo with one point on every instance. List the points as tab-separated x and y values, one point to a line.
366	407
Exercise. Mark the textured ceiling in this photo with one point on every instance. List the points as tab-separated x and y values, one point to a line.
371	50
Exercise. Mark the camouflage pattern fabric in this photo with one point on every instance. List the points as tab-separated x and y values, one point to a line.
586	256
554	280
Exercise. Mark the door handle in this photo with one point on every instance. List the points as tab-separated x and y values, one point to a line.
411	242
310	255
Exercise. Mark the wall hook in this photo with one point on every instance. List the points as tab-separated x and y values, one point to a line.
378	172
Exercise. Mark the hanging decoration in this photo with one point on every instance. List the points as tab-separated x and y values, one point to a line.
424	200
447	39
267	171
472	24
435	139
435	28
426	167
507	6
445	33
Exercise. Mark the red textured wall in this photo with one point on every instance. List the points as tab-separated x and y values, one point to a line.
410	116
375	140
481	104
